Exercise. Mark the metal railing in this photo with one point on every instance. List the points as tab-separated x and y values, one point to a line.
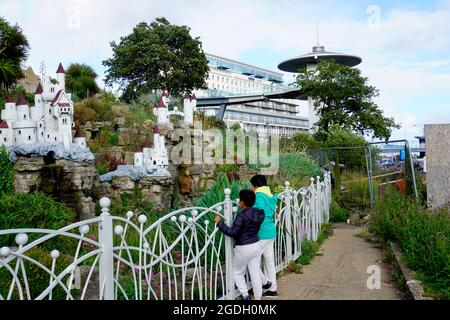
182	255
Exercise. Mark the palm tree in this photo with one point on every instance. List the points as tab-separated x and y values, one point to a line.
80	80
14	49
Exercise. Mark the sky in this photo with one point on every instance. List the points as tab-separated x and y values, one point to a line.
405	45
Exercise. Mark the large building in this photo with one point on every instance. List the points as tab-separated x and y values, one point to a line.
232	78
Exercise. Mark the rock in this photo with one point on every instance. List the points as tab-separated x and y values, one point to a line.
129	158
123	183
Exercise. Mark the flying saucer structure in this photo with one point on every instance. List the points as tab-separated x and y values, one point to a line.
314	57
310	61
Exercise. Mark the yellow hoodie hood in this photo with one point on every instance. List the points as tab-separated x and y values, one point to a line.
265	190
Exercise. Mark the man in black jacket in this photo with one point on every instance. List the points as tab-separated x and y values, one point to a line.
247	253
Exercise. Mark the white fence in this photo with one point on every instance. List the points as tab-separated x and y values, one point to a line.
180	256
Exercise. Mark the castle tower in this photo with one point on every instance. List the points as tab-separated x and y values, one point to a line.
189	105
38	111
9	114
161	109
61	77
24	129
139	157
6	134
79	139
160	157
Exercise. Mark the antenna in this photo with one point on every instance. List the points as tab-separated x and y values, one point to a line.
317	33
42	71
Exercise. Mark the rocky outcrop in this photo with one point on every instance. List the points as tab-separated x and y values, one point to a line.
69	181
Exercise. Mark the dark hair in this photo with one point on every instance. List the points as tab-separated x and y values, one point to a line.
248	197
259	181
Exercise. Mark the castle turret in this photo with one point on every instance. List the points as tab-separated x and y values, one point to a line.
24	128
139	156
10	112
61	77
79	139
161	108
23	109
189	108
6	134
38	111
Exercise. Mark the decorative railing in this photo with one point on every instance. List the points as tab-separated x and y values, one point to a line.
182	255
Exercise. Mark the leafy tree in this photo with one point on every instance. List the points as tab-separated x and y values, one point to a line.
299	142
14	48
343	97
80	80
354	159
156	56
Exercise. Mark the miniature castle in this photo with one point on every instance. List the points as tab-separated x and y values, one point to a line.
48	122
154	161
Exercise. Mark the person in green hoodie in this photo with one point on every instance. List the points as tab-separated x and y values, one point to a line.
266	201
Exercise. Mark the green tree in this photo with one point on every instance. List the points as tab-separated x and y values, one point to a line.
353	159
14	49
343	97
80	80
157	56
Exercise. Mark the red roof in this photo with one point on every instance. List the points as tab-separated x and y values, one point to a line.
160	104
165	93
156	130
39	89
56	97
139	149
147	144
4	125
10	99
22	101
193	97
60	69
187	96
78	133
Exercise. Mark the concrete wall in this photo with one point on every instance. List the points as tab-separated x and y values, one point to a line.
438	164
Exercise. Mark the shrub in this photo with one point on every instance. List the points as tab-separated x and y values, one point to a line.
101	107
423	237
113	138
6	173
38	279
297	168
337	213
84	114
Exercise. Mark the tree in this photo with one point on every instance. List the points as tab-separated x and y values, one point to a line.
80	80
157	56
337	137
14	49
343	97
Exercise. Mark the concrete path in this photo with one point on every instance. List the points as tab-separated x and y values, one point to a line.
341	272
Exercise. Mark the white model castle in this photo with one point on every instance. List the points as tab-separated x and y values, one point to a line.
152	157
161	109
49	121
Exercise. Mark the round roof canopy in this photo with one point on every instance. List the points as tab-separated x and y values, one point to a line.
318	54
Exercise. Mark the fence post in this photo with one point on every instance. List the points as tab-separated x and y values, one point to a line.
105	236
228	215
288	217
313	209
319	202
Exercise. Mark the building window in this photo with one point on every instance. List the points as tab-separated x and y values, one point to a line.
20	132
48	136
42	134
0	131
29	138
24	117
4	139
40	125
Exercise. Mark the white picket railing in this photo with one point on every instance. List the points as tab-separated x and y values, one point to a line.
182	255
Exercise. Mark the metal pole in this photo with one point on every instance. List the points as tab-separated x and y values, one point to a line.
288	220
412	171
228	215
369	174
105	236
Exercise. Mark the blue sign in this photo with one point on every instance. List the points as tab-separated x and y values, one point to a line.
402	155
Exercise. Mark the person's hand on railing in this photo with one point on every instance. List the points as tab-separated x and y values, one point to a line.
218	219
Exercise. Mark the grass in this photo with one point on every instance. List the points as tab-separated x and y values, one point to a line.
310	249
422	235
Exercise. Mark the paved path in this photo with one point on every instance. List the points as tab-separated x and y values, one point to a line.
340	273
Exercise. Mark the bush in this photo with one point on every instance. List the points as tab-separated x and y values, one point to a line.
18	211
423	237
84	114
102	108
6	173
38	279
297	168
337	213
